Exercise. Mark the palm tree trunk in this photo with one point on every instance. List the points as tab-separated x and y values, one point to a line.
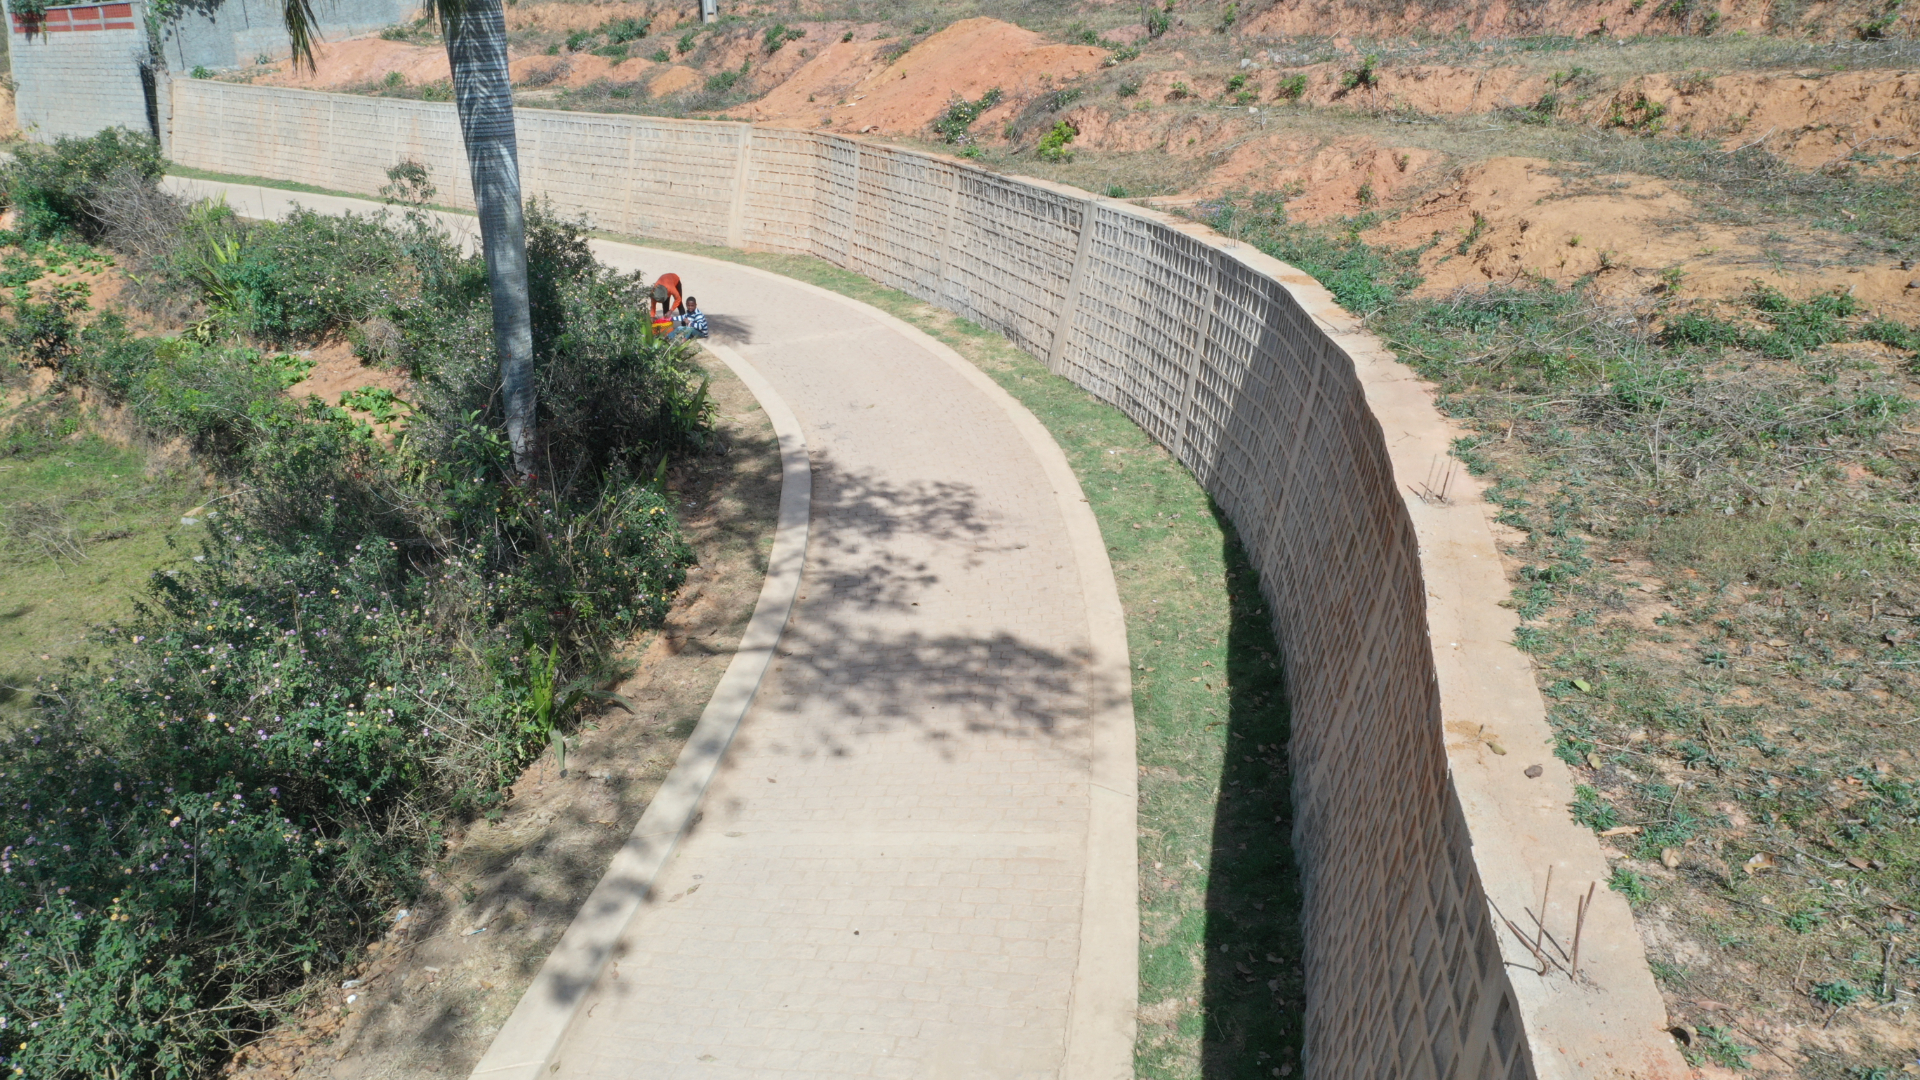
476	34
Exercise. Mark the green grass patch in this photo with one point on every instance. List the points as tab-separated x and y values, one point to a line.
83	524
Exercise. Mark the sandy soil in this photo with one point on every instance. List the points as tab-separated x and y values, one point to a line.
1580	18
427	998
850	87
1535	222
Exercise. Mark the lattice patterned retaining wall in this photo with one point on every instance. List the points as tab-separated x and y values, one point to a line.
1311	438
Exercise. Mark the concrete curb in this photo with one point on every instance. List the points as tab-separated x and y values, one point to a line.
527	1044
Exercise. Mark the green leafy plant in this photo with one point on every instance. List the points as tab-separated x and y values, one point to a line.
778	35
661	56
622	31
1291	88
1591	810
1179	91
57	190
1839	993
245	774
579	40
1876	28
1630	885
201	71
1127	88
1236	81
686	42
1716	1045
1637	113
1364	77
549	706
1473	234
955	123
726	80
1158	23
1053	145
380	401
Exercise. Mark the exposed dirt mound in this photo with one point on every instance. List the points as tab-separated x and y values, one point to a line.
855	87
341	64
1811	118
1515	219
1579	18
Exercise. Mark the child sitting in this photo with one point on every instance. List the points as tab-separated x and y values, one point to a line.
691	322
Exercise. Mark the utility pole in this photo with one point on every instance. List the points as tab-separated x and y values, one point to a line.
709	10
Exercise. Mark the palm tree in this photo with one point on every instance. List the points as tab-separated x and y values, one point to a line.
476	33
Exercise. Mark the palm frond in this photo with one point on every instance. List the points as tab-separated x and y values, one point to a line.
301	30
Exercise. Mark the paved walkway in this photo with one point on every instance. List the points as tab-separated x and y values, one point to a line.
888	878
890	875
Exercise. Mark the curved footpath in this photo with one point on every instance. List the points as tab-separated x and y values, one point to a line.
917	857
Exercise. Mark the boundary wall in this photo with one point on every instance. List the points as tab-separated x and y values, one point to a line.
78	69
1411	813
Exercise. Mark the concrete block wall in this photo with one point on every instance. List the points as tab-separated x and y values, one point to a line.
77	70
234	32
1412	832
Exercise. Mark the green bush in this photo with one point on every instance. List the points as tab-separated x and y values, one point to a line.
778	35
1053	145
230	790
55	188
621	31
955	124
298	279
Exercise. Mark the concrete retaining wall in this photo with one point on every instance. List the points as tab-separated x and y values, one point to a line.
235	32
78	70
1413	715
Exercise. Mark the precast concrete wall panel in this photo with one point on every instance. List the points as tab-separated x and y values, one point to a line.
784	175
1306	433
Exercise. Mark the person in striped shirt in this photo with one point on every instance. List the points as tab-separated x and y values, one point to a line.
691	322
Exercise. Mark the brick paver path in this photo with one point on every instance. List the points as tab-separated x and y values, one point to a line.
887	876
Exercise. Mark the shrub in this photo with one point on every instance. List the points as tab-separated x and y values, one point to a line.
1364	77
305	276
955	124
1053	145
1291	88
725	80
621	31
237	783
778	35
56	189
